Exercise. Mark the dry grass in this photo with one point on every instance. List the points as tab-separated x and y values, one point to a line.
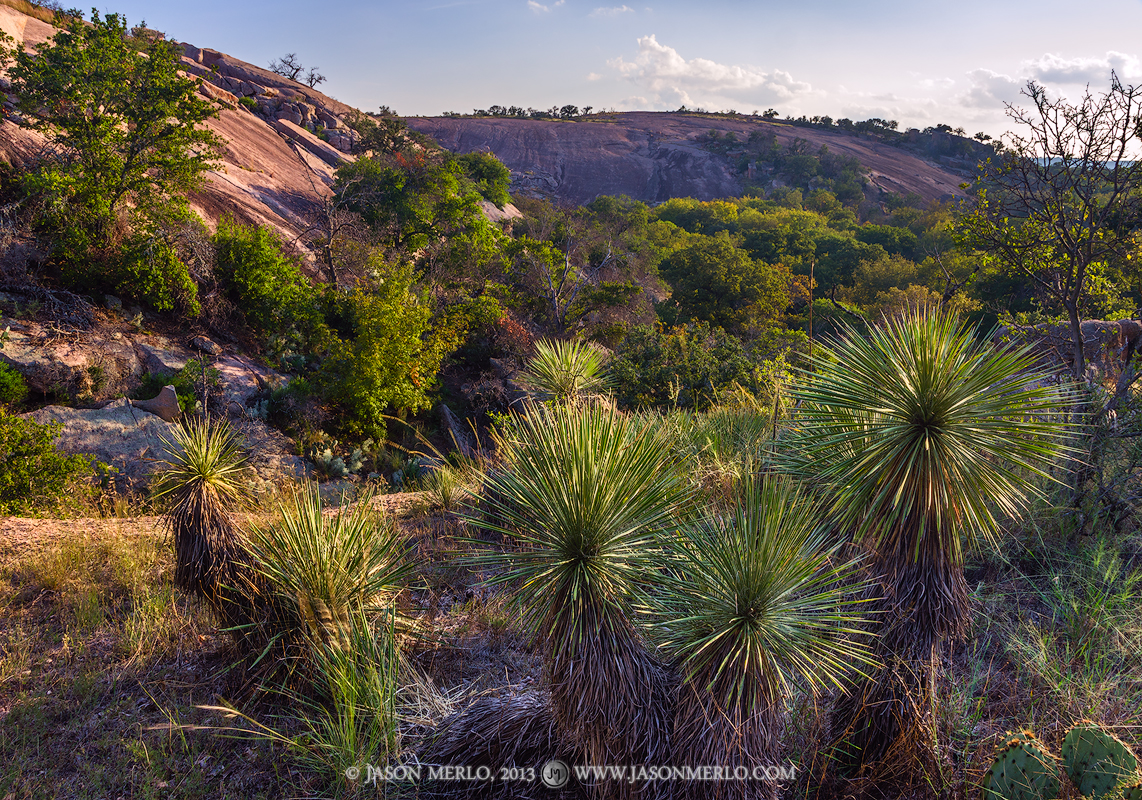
101	661
32	10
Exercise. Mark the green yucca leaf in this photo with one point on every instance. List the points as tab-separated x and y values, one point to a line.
756	602
566	370
203	480
332	566
921	429
204	456
586	492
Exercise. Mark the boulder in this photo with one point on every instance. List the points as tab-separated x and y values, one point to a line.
242	379
126	438
160	354
206	345
323	150
217	94
164	405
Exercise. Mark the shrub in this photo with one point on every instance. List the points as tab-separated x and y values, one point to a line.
278	301
566	371
153	273
683	367
13	390
390	362
35	475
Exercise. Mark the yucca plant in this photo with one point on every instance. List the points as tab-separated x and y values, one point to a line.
331	568
757	603
566	370
202	479
585	493
919	435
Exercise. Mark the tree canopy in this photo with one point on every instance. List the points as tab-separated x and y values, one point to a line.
124	122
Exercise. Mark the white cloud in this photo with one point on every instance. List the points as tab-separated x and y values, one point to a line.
991	89
670	80
540	8
594	76
1050	68
611	12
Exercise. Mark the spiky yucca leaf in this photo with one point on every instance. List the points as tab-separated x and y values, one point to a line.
919	435
203	480
585	493
566	370
334	567
922	429
755	604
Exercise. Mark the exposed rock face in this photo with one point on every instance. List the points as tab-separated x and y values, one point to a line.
655	156
1105	344
126	438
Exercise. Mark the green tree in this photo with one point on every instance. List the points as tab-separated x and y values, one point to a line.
919	436
1062	204
388	362
714	281
412	200
123	122
685	366
490	177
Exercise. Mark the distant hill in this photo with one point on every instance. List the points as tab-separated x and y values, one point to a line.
653	156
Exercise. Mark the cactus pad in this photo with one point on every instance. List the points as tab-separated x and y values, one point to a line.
1022	771
1133	791
1096	761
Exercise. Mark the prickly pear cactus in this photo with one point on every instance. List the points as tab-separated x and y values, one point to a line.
1096	761
1023	770
1133	791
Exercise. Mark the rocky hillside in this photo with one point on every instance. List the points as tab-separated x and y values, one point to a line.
655	156
284	138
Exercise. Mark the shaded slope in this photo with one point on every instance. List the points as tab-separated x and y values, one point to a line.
655	156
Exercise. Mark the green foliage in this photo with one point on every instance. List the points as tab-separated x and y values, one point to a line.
332	569
489	175
566	371
1022	770
715	282
152	272
585	491
1096	761
755	606
911	428
13	389
268	286
187	383
410	199
682	367
36	476
389	360
125	123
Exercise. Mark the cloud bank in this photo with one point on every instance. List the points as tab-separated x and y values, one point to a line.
667	79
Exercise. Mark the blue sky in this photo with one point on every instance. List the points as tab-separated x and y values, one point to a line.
921	63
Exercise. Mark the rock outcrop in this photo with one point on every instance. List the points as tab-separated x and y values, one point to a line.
265	176
655	156
1105	344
